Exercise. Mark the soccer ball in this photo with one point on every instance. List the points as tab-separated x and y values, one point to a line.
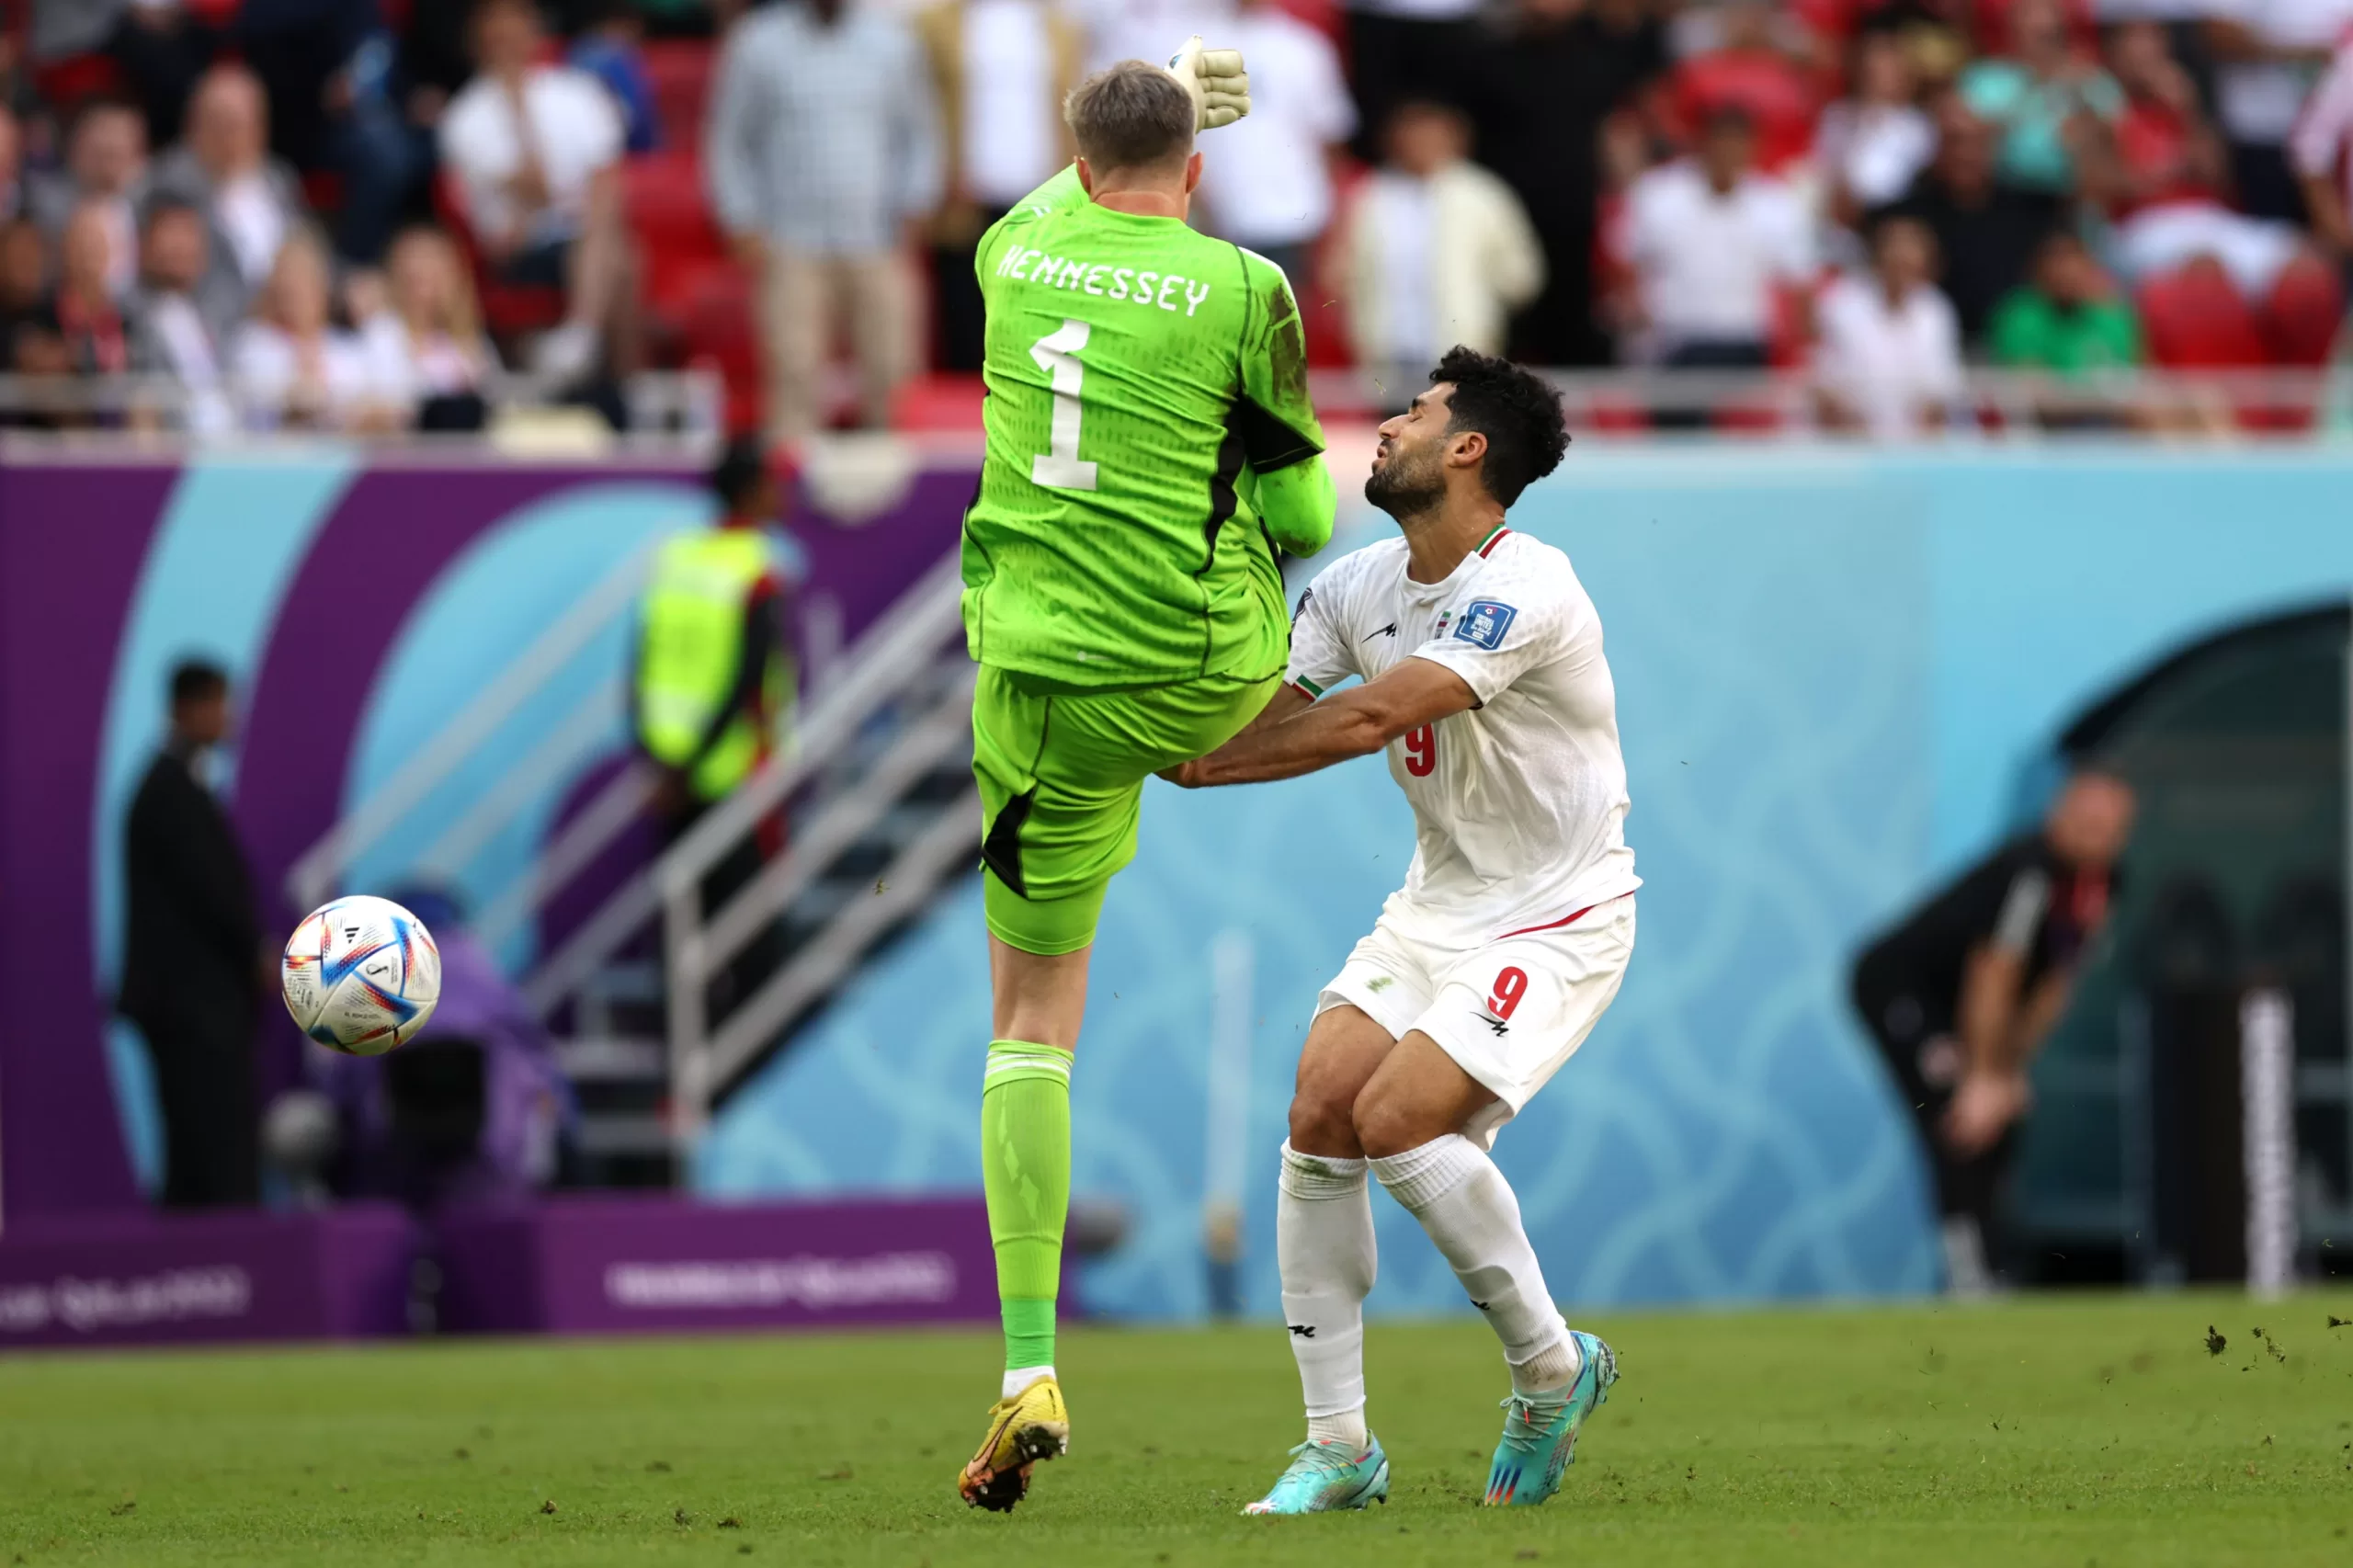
362	975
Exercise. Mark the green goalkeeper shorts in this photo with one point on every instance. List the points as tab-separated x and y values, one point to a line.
1061	774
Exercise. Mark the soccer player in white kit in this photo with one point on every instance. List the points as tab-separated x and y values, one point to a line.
1483	679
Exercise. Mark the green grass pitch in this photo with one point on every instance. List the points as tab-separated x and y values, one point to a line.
2073	1431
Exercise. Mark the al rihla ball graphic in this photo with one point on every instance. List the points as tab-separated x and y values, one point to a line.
362	975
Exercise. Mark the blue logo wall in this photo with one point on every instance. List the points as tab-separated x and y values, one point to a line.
1832	670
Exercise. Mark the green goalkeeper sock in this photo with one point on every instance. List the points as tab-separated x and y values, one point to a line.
1025	1167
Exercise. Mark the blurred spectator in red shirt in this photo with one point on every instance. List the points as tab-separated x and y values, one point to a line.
536	148
106	161
1713	242
2323	149
250	200
1875	142
1986	231
1540	97
2169	202
1749	71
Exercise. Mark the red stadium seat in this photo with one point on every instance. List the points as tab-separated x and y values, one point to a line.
718	328
2196	320
1779	99
937	402
663	194
2305	311
65	82
679	69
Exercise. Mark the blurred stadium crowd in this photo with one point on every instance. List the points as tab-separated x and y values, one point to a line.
360	214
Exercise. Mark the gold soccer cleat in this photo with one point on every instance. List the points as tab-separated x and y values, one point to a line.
1030	1426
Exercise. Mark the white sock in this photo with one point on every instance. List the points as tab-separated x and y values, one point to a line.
1462	1201
1014	1381
1324	1246
1345	1428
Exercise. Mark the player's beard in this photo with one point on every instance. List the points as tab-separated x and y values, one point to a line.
1407	484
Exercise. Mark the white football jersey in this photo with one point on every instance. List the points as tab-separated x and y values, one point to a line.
1519	804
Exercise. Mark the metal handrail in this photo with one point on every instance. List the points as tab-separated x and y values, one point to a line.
2014	398
954	836
313	874
690	401
891	654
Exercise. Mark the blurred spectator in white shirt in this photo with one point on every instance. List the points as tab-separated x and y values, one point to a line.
1144	29
172	331
822	155
1873	145
2323	150
1001	69
1268	184
1888	360
536	149
2269	53
428	341
291	366
1436	250
250	201
105	162
1711	245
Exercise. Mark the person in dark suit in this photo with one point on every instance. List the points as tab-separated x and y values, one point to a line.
1962	993
193	968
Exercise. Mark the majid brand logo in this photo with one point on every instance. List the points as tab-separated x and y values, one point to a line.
87	1306
815	1284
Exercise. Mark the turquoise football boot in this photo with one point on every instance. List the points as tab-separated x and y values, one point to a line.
1327	1476
1540	1433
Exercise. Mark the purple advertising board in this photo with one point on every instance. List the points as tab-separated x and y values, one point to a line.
626	1266
96	553
151	1279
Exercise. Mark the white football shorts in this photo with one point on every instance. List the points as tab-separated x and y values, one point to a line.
1510	1011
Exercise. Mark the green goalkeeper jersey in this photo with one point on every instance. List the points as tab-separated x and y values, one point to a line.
1141	379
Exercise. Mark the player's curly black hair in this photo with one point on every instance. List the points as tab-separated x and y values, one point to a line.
1515	409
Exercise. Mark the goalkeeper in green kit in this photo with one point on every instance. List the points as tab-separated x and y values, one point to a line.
1149	446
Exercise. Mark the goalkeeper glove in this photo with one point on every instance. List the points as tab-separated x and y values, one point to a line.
1216	82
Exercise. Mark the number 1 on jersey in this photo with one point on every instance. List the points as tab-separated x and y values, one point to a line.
1057	354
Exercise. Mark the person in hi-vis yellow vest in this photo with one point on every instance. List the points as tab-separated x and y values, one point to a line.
713	681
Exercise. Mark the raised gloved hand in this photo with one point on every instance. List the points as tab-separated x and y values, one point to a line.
1219	87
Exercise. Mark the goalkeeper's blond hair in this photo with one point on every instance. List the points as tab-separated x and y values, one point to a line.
1130	116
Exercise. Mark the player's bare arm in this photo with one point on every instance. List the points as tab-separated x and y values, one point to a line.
1355	723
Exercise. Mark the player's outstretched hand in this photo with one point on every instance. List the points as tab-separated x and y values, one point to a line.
1218	85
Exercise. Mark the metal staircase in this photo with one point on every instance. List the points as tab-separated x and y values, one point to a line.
655	1030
